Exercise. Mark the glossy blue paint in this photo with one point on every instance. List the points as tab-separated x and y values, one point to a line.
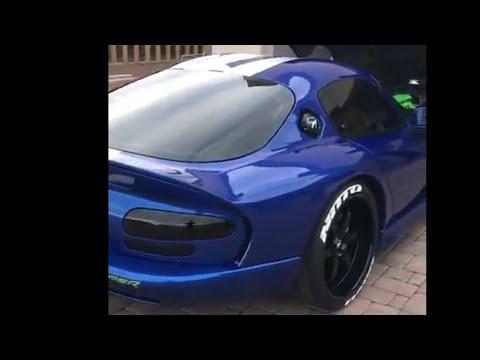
174	282
275	196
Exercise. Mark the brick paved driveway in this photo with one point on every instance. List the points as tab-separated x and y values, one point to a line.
397	284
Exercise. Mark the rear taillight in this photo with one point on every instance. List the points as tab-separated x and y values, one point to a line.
163	225
156	248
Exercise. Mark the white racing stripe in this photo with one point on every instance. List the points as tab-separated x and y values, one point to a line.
212	62
257	66
219	63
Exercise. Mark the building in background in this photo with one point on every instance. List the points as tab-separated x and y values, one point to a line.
392	65
147	54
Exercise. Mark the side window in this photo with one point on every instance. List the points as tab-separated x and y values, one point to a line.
357	108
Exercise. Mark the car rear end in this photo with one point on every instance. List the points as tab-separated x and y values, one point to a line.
168	239
171	235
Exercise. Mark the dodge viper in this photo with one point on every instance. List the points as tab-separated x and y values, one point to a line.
240	175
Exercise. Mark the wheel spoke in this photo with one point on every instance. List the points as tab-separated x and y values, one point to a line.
341	252
345	223
335	262
347	260
333	232
350	238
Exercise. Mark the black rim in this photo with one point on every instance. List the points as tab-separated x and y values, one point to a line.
348	247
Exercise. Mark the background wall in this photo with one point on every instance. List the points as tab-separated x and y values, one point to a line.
392	65
249	49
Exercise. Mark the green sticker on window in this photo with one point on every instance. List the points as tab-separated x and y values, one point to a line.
405	100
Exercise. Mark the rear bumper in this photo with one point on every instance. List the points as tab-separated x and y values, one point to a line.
155	282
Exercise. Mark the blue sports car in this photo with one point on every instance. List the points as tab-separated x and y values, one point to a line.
241	175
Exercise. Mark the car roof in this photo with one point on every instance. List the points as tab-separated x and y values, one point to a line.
278	69
320	72
243	64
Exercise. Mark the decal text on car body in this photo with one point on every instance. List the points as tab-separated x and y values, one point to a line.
123	281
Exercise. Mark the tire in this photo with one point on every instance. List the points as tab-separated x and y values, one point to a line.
348	230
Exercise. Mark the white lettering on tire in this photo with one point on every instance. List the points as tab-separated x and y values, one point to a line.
336	205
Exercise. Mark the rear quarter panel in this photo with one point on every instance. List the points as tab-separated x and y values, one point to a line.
285	195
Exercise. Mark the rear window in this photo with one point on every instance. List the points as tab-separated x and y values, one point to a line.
196	116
